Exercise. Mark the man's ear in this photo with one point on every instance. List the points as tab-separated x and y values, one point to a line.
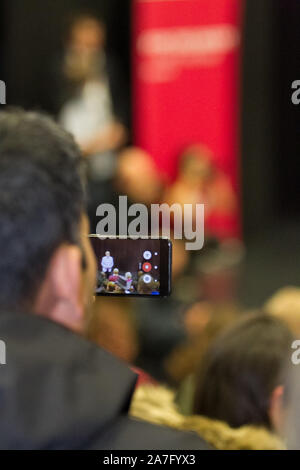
60	297
276	409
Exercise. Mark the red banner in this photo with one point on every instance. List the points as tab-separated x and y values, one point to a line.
186	91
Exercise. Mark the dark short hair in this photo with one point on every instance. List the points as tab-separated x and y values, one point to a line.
34	220
241	369
31	228
37	138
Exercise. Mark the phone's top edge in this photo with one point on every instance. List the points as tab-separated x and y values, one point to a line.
124	237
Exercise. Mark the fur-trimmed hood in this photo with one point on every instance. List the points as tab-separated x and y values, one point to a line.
156	405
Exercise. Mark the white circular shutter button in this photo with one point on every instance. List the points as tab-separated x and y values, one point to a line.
147	254
147	278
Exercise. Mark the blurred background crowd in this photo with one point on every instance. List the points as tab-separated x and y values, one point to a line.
73	60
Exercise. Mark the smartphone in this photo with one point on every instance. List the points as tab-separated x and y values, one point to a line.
134	267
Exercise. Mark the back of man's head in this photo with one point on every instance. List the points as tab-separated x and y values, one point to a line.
37	138
30	230
41	219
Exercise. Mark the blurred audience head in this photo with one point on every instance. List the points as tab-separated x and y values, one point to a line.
46	263
137	176
242	377
86	33
84	49
196	164
285	304
203	322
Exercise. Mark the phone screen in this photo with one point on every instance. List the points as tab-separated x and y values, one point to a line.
139	267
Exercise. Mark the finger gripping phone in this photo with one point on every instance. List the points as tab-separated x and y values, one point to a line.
133	266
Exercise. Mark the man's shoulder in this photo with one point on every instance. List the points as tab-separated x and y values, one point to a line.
128	433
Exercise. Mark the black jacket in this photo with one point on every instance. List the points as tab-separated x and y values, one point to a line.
58	391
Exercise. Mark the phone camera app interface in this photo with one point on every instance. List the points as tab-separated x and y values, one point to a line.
127	266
